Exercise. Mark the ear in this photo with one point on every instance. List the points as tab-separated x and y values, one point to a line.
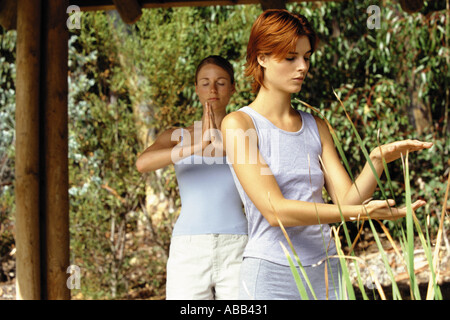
262	60
233	88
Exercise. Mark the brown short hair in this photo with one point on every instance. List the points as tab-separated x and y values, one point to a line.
218	61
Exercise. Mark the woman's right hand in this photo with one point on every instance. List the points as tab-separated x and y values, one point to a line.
385	210
206	126
210	133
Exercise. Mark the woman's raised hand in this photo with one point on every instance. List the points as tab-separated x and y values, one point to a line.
393	151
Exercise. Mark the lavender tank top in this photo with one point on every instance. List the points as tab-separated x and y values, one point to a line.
293	158
210	202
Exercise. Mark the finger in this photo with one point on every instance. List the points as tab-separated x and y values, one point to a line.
414	206
211	110
391	202
212	120
419	203
414	145
386	203
205	111
382	204
206	123
424	145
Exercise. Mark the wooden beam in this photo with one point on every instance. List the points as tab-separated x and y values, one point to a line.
273	4
130	10
411	6
27	167
54	93
92	5
8	14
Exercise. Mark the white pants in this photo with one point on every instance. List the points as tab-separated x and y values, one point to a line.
204	267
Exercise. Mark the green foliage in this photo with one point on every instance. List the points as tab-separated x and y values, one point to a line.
104	187
7	137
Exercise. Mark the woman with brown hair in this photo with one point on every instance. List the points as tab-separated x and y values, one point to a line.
211	232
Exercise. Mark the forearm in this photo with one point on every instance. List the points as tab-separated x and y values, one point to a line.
151	160
364	185
300	213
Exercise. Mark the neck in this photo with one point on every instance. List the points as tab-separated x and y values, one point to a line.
272	103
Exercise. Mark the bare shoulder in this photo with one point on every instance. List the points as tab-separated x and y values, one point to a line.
237	120
321	124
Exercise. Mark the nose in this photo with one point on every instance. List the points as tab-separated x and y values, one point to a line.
302	65
213	88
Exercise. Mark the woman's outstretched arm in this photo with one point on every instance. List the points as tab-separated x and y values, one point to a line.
259	184
337	181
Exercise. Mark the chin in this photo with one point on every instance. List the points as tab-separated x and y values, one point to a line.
219	106
297	89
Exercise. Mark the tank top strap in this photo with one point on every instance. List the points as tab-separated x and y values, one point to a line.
310	125
260	122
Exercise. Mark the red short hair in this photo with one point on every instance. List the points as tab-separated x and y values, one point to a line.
276	32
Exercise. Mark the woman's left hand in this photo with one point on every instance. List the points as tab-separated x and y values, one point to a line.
213	135
393	151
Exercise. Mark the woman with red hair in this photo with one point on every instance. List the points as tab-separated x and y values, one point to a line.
282	158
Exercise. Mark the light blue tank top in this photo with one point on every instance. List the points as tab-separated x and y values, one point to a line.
286	153
210	202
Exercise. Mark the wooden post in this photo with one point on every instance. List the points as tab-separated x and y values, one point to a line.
42	201
54	93
27	150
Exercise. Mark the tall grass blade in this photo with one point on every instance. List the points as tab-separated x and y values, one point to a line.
302	269
385	167
346	275
410	232
431	285
345	271
298	281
